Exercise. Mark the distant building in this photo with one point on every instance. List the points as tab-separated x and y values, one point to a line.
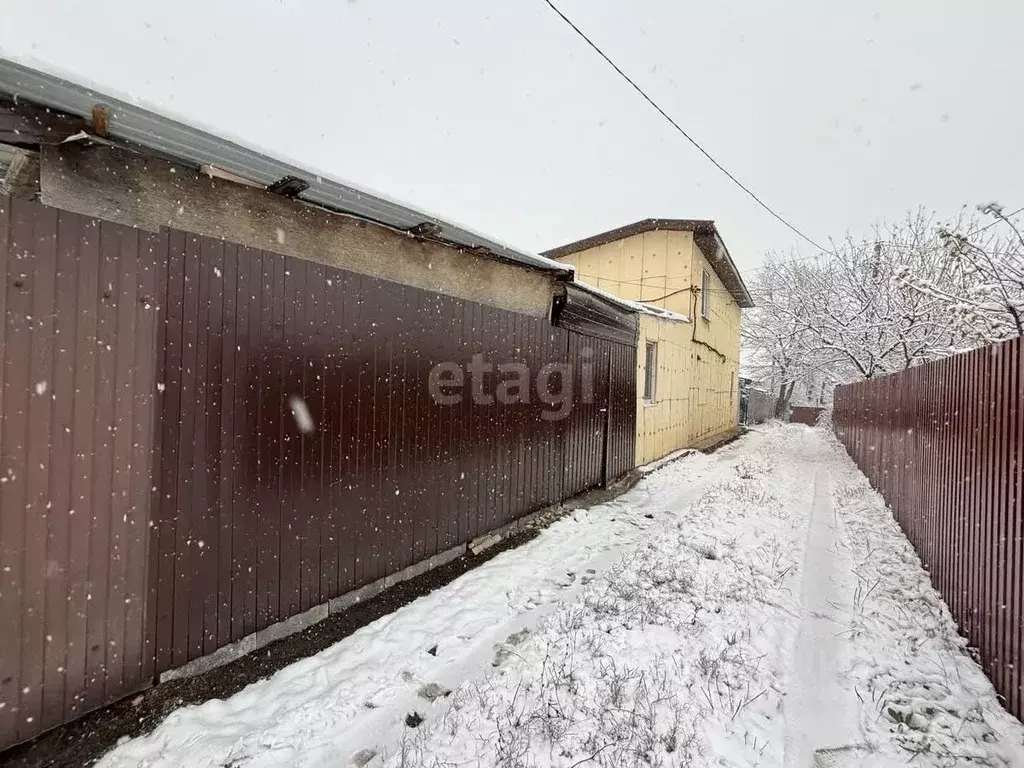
687	372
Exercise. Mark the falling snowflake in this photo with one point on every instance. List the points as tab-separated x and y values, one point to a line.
301	413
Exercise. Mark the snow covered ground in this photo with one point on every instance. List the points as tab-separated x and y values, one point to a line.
757	606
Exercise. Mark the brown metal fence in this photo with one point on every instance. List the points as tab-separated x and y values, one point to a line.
158	499
805	414
258	521
620	450
943	445
77	383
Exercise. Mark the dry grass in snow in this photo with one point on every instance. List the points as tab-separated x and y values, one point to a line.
674	657
924	698
740	609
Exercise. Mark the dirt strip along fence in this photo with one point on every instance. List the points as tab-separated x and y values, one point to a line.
159	499
942	443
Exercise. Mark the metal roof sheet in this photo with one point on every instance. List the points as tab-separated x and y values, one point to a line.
141	126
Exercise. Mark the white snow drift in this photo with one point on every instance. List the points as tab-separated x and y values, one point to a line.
714	615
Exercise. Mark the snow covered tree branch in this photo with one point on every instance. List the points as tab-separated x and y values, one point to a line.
876	305
982	284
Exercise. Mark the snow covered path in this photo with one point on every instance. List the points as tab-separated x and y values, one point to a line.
821	709
738	609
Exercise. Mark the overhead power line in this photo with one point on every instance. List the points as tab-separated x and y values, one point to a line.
679	128
993	223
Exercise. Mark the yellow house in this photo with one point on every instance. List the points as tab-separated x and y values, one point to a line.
687	369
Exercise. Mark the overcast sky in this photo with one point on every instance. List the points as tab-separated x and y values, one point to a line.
495	114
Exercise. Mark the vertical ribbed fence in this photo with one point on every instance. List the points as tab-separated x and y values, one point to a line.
159	498
942	444
805	414
78	391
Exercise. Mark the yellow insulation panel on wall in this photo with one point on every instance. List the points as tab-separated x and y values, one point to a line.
696	392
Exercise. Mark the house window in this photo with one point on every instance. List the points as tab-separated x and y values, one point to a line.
705	294
650	370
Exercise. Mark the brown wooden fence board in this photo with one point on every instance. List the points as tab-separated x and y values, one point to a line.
228	267
5	259
1010	617
943	444
146	448
16	433
37	444
959	511
124	287
1010	459
1015	574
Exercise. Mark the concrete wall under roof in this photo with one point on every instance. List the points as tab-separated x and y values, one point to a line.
147	192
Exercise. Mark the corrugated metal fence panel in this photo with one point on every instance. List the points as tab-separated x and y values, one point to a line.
260	521
621	411
587	412
802	414
108	415
77	377
943	444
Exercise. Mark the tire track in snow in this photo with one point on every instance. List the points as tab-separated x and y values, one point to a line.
821	709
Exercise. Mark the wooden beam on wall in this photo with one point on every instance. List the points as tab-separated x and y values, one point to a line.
20	178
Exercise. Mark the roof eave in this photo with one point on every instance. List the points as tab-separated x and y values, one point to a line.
173	138
738	290
699	227
629	230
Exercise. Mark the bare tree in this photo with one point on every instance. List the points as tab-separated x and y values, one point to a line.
852	314
781	351
981	284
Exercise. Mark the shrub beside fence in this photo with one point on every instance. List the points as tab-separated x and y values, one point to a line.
942	443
